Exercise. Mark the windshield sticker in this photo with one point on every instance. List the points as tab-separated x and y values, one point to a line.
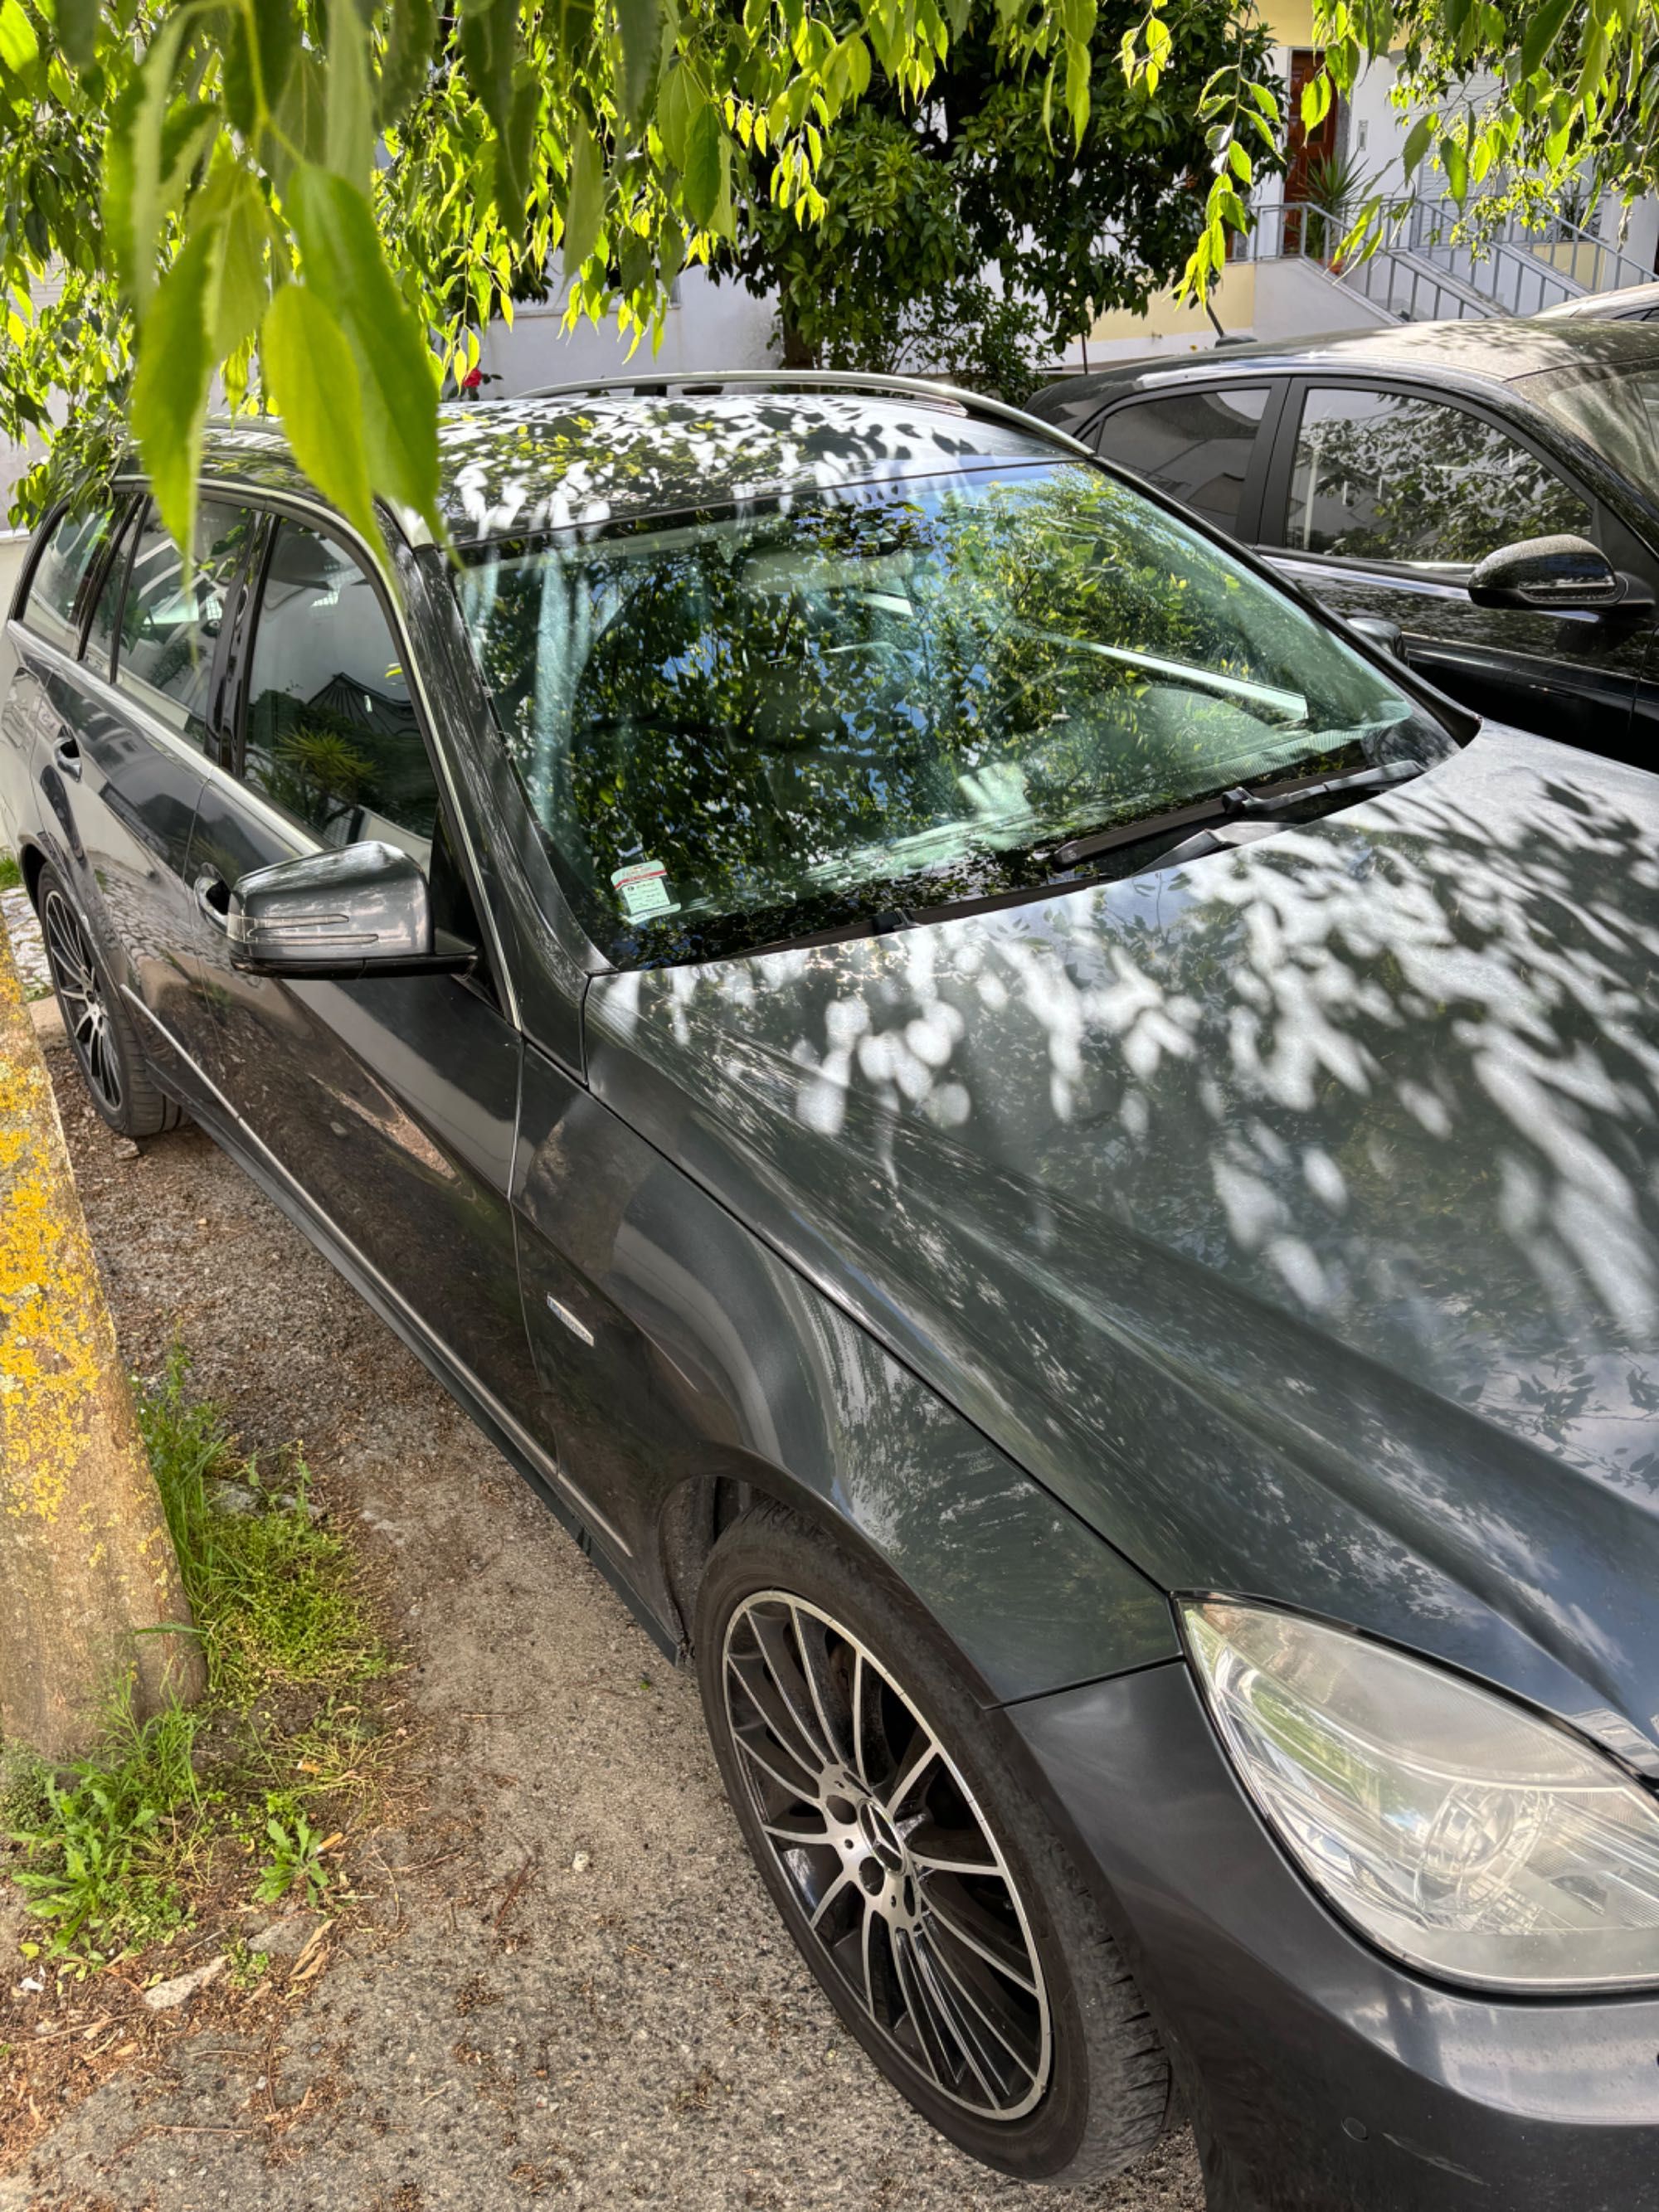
642	887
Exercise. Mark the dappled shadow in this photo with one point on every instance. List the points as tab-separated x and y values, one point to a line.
1292	1214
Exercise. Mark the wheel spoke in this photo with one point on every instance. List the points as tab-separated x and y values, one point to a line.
951	1850
981	2062
780	1651
777	1762
814	1674
858	1673
798	1833
923	2027
984	1994
759	1680
949	1904
918	1758
830	1896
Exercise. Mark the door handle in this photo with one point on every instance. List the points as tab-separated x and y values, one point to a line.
207	884
67	755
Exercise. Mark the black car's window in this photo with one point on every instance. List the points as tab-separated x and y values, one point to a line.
1381	475
169	632
107	608
66	561
744	725
1194	445
330	734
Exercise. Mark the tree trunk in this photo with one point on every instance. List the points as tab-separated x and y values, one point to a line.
86	1563
797	354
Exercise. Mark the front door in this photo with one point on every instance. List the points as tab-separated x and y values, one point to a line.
391	1103
1380	503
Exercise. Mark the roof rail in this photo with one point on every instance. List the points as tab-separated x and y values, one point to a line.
656	383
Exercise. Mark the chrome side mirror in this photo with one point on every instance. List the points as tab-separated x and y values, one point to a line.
1549	575
365	910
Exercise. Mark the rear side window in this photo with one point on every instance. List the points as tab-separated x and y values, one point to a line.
331	736
1386	476
1196	446
168	634
66	561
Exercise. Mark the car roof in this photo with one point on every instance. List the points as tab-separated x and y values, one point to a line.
517	467
1465	355
1628	300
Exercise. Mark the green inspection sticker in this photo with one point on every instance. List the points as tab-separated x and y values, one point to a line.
642	887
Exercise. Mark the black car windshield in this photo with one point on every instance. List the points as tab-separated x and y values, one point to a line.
742	726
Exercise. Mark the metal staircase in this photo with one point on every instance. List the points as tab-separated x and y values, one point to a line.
1421	272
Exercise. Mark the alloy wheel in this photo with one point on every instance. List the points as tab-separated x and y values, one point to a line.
901	1885
81	994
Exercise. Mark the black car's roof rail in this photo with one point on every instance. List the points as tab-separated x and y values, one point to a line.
654	383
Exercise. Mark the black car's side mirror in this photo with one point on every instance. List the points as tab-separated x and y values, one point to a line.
1554	575
365	910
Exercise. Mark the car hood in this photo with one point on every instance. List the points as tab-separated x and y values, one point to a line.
1292	1215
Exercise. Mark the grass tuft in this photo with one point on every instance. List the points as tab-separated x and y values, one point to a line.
11	876
243	1797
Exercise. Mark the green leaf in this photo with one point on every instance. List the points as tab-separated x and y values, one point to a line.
639	31
348	141
1315	101
1455	162
1417	143
78	30
302	119
345	267
310	374
585	205
489	47
515	144
133	205
170	388
237	301
412	31
1542	31
20	48
276	40
699	182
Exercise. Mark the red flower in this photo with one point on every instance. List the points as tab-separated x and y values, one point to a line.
473	380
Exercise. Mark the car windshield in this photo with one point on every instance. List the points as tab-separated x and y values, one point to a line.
1615	410
747	726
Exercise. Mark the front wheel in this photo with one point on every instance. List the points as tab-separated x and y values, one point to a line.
931	1896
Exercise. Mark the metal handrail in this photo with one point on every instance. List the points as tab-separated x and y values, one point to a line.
657	383
1516	236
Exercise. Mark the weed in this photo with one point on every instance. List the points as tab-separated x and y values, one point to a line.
119	1849
246	1968
295	1860
11	876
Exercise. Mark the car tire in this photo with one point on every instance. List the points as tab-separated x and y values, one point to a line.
994	2000
95	1020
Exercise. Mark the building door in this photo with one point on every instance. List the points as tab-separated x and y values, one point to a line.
1310	151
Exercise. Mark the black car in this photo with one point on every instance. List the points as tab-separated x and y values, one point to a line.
1053	1165
1405	474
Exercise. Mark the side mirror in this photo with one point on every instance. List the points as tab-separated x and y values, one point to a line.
1552	575
1379	633
365	910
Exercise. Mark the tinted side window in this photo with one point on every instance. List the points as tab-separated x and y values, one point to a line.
169	635
331	734
107	611
1196	446
1380	475
66	559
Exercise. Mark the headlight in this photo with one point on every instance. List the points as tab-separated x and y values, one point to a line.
1463	1834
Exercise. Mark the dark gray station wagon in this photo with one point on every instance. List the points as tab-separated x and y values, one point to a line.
1054	1171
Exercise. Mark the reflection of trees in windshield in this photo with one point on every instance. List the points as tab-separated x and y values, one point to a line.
893	694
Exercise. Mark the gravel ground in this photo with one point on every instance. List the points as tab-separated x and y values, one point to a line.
30	953
572	1988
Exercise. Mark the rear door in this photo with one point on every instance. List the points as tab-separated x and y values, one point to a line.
1380	500
391	1102
1205	445
122	770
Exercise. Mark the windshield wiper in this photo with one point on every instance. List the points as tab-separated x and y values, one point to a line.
1266	800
